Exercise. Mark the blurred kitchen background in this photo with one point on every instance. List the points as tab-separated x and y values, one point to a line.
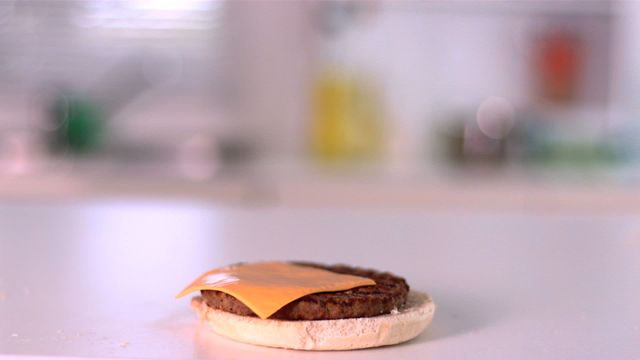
374	103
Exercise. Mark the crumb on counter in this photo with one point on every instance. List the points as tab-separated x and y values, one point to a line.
124	344
14	335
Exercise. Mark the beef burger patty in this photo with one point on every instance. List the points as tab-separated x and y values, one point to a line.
389	292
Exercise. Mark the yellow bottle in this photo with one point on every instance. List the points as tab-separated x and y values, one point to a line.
346	123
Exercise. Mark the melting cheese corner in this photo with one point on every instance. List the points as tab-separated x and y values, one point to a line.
266	287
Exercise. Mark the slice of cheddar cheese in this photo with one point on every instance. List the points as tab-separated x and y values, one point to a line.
268	286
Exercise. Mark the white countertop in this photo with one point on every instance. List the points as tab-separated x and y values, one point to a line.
98	278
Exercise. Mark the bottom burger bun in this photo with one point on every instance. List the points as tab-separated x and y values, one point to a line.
342	334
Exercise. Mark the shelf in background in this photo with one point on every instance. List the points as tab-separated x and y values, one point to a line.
505	8
464	190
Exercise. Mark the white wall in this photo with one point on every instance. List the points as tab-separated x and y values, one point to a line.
270	47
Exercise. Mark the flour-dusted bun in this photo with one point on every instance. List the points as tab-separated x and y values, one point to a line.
341	334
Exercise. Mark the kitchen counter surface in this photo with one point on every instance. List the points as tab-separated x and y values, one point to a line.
97	279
